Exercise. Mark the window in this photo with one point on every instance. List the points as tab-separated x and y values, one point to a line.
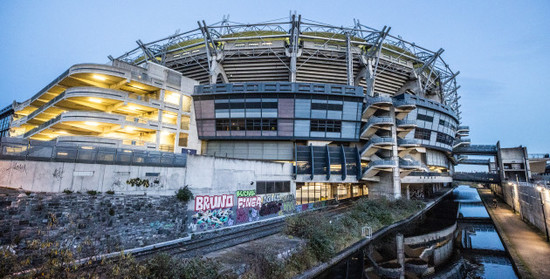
326	106
222	125
423	134
182	141
246	124
269	187
326	126
237	125
269	124
444	138
425	117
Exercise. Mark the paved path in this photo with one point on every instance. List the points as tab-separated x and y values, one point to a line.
526	244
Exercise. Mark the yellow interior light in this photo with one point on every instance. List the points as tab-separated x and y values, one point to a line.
129	129
95	100
98	77
62	132
169	115
173	98
136	86
90	123
87	147
164	132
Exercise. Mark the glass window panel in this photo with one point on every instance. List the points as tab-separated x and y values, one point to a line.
302	108
301	128
350	111
269	112
348	129
222	113
237	113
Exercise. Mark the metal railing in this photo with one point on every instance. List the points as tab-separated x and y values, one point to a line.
32	150
409	163
476	177
420	173
279	87
539	156
476	149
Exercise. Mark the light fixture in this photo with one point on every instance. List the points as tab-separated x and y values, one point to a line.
164	132
129	129
169	115
539	188
87	147
98	77
95	100
132	108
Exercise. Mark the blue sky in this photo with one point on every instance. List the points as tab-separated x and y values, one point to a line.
501	48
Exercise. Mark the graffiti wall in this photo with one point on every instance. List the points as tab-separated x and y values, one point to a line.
218	211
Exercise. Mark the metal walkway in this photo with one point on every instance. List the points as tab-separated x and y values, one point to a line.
481	177
490	150
484	162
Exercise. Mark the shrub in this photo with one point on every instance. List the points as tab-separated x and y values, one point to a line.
110	192
184	194
67	191
93	192
163	266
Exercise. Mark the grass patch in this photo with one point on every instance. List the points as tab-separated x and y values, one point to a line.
325	238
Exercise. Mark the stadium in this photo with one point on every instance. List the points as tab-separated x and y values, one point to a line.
355	110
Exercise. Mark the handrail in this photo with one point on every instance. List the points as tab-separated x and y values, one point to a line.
279	87
22	149
102	115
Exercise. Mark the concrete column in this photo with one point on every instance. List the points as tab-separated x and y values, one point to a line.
400	254
159	119
408	192
396	178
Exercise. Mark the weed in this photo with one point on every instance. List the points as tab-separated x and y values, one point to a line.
184	194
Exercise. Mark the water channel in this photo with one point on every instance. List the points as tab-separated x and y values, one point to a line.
454	239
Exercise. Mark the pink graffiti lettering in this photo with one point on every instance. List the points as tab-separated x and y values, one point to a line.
213	202
249	202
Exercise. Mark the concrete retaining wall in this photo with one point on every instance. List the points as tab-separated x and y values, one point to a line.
98	223
224	195
205	175
527	201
